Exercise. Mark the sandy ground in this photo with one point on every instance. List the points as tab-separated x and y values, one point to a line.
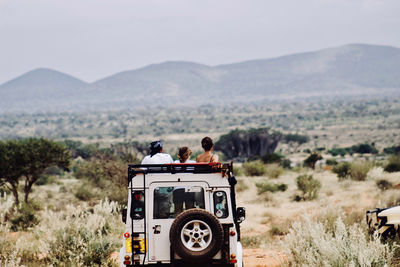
262	258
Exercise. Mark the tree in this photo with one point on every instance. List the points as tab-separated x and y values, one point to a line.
27	159
253	143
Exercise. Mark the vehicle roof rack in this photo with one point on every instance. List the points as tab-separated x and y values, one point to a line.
213	167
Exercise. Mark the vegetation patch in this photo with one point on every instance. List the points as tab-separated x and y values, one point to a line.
308	186
254	168
270	187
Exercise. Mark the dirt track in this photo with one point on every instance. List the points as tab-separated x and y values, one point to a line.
261	258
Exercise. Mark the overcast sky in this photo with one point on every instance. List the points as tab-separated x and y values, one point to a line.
91	39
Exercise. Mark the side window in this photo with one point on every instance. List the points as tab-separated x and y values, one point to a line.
137	205
221	204
170	201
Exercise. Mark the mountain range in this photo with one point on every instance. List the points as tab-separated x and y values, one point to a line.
349	70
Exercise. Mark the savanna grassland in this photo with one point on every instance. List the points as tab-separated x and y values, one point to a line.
328	122
296	215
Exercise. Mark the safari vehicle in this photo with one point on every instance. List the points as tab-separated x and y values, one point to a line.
182	215
385	221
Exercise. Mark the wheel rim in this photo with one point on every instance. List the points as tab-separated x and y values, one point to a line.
196	235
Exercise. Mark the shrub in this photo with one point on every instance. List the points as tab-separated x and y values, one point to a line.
383	184
23	218
81	238
251	241
279	229
238	171
392	150
312	160
274	171
241	186
308	186
107	174
331	162
310	243
84	193
296	138
254	168
342	170
270	187
338	151
359	170
46	179
286	164
364	149
393	164
272	158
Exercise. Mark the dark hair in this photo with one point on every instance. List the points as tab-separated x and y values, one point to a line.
207	143
184	154
155	147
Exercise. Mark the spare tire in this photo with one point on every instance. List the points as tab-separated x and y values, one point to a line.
196	235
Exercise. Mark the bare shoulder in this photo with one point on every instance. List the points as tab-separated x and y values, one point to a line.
215	158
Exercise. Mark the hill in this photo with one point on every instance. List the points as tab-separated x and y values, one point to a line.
350	70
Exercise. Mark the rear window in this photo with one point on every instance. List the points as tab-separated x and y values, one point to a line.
221	204
137	207
170	201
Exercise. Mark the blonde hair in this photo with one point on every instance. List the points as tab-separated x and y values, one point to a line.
184	154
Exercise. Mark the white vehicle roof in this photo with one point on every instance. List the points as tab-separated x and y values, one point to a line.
214	174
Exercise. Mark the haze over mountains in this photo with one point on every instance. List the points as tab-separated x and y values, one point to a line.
350	70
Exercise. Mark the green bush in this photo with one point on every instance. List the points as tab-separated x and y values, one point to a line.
84	192
107	174
296	138
237	171
270	187
338	151
383	184
254	168
331	162
251	241
23	217
274	171
311	160
286	164
308	186
272	158
46	179
392	150
364	149
359	170
393	164
342	170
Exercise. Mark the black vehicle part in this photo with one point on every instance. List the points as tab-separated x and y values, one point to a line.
200	228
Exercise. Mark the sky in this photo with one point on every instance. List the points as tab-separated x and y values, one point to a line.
92	39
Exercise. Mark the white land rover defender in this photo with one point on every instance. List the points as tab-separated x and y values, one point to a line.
386	221
182	215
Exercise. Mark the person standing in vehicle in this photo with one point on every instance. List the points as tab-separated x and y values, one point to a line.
184	155
156	156
208	147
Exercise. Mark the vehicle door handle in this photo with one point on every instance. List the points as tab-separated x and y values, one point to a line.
157	229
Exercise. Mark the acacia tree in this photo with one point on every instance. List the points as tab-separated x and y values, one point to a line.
27	159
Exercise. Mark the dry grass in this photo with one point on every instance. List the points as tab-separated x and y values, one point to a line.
269	217
347	200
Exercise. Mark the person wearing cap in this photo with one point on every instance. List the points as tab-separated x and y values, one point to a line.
156	156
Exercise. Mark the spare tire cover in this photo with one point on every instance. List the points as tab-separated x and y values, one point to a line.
196	235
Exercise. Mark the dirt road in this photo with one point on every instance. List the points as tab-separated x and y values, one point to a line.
262	258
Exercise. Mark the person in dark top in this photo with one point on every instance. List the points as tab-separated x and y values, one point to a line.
207	156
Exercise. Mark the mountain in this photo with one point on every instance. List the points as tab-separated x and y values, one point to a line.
40	90
350	70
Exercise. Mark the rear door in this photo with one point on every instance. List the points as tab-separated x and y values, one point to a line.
168	200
